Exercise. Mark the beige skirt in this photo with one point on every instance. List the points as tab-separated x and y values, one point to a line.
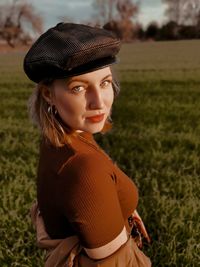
69	253
129	255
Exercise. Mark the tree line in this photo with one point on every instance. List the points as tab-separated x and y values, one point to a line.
121	16
169	31
20	23
183	22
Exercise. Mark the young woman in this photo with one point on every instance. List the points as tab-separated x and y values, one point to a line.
86	206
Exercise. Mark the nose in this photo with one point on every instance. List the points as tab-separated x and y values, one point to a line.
96	98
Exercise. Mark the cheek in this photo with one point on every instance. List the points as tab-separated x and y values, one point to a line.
68	106
109	98
64	106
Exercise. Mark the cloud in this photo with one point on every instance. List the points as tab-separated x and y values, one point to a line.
55	11
151	3
78	11
152	13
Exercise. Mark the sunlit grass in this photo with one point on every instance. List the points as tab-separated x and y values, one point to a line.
155	140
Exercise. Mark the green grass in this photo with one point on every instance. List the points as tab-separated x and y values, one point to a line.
155	140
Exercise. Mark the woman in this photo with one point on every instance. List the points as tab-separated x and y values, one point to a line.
86	204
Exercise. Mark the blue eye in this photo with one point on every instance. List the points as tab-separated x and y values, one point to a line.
105	83
77	89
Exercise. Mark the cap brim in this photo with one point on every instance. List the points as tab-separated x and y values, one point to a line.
89	67
49	71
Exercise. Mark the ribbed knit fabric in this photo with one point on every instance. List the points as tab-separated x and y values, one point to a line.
82	192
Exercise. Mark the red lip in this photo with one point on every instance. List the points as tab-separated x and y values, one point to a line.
96	118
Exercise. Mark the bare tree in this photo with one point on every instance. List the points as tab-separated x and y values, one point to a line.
127	10
117	15
183	11
18	20
105	11
174	10
191	12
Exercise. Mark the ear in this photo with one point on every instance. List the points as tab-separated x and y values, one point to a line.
47	94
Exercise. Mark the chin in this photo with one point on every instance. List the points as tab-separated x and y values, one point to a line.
96	128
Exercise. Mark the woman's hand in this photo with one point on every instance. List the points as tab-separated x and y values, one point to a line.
141	226
138	229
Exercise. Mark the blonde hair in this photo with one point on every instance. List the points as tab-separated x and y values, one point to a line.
49	123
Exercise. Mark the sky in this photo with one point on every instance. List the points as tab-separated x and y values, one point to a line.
53	11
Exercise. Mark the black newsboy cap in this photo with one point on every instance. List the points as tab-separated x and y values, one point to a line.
70	49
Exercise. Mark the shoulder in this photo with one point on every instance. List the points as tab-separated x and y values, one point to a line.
86	168
52	159
84	161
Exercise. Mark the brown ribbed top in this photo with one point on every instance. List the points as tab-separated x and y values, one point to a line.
82	192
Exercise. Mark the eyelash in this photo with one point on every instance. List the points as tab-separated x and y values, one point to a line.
76	87
103	85
108	82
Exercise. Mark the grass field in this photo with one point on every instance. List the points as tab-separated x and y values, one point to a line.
155	140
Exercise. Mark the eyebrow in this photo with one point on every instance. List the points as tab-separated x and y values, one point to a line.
108	76
74	79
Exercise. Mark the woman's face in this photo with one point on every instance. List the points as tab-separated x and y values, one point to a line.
84	102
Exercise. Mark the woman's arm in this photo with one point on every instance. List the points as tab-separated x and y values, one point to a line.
90	203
